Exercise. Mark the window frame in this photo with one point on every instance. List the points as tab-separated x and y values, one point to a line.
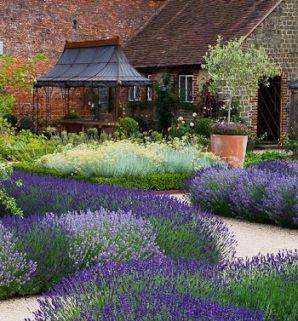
135	97
149	90
186	76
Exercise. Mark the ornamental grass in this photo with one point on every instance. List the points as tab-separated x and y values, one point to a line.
127	158
265	193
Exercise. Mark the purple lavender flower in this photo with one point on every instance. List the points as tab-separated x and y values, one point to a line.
265	193
154	289
102	236
15	268
208	237
281	167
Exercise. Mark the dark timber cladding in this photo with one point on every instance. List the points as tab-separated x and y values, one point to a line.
92	64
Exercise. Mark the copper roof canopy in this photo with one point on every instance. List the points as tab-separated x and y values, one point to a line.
92	64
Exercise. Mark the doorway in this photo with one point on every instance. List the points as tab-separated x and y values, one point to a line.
269	110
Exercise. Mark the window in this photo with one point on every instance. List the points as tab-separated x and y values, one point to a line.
149	90
186	88
134	93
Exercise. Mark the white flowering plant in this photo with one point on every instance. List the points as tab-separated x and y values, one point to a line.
193	126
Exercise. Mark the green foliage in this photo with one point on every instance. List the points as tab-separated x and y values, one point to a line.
159	182
15	75
233	67
11	119
197	129
73	115
203	126
290	143
8	204
258	157
25	146
126	127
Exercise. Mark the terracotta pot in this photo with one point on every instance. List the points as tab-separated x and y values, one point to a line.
231	148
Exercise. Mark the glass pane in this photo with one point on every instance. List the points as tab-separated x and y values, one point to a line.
131	93
103	98
137	93
149	93
182	87
189	89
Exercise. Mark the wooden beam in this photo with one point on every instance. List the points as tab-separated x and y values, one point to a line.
93	43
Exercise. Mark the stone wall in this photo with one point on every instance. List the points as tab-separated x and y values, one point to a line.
278	35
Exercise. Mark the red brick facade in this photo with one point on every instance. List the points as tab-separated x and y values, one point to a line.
38	26
174	40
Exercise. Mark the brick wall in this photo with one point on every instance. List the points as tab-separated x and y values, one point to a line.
278	35
34	26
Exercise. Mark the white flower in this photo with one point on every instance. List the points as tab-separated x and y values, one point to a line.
180	118
194	115
191	124
183	122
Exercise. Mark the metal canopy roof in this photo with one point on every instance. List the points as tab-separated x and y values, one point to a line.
294	84
92	64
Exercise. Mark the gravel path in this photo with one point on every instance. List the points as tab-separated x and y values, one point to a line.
17	309
254	238
251	238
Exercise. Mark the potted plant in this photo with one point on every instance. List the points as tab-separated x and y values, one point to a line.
229	141
235	71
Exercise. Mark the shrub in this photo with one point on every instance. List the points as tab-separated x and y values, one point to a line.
160	182
65	244
126	127
15	268
262	194
258	157
25	146
181	230
125	158
224	128
7	203
163	289
203	126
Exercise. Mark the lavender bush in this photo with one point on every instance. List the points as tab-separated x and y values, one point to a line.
163	289
267	192
63	245
182	231
15	268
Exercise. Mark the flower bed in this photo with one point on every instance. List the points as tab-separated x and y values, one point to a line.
265	193
163	289
144	224
125	158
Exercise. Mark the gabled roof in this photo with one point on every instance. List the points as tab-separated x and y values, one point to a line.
92	64
182	30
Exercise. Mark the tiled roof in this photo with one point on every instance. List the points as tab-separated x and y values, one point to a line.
181	32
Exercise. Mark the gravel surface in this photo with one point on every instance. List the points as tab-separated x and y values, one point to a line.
17	309
254	238
251	238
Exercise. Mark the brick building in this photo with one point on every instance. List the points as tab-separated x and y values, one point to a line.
166	36
176	39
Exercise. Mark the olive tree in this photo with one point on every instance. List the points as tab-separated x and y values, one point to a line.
234	66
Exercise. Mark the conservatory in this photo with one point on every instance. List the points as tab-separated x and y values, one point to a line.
89	76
